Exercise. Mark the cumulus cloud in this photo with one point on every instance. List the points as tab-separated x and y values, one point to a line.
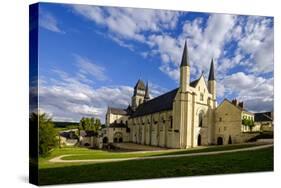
67	98
256	92
48	21
241	46
129	23
203	44
70	97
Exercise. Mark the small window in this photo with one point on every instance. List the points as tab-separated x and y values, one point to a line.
219	129
200	119
224	128
171	123
201	97
220	119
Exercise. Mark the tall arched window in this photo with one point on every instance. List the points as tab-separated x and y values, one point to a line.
200	119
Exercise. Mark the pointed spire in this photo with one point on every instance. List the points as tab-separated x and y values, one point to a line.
185	57
212	71
146	96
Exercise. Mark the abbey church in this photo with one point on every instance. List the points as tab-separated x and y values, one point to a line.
187	116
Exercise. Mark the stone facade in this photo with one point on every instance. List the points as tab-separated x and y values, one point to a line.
229	127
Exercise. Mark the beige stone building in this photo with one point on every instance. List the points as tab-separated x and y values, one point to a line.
181	118
229	127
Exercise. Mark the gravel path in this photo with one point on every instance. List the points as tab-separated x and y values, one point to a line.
60	160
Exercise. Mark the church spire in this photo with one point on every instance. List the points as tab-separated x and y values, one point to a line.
146	96
185	58
212	72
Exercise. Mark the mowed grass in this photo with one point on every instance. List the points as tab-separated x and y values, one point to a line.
98	154
238	162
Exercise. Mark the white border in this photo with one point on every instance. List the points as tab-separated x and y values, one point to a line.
14	91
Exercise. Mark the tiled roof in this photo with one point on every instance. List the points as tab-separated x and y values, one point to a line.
117	111
265	116
160	103
194	83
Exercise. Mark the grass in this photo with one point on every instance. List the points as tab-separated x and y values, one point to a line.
85	153
238	162
97	154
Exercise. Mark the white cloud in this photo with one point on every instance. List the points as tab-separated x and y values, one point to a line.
89	67
255	91
129	23
203	44
48	21
69	98
258	41
241	42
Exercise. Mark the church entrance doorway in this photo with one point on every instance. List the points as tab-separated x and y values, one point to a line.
199	140
117	138
220	141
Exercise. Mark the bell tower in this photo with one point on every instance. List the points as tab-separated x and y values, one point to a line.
139	94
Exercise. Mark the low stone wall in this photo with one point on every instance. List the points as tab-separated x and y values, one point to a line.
245	136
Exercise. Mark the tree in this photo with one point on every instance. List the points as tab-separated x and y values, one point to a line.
47	133
89	124
248	122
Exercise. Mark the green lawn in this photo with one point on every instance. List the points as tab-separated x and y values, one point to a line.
97	154
84	153
238	162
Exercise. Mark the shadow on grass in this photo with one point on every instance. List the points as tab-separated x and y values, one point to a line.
239	162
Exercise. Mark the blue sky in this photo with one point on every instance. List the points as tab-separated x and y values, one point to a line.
91	57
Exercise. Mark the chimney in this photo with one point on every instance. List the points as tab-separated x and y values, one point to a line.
235	102
241	104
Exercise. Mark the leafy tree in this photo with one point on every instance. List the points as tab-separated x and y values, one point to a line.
248	122
89	124
47	133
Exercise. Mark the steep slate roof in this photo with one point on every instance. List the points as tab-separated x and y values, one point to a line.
146	96
117	111
194	82
212	72
263	116
160	103
140	85
185	58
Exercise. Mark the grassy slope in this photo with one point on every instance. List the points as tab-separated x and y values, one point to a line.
247	161
84	153
113	155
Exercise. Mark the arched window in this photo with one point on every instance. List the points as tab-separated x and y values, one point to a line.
200	119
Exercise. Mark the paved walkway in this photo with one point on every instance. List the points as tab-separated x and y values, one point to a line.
138	147
60	160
